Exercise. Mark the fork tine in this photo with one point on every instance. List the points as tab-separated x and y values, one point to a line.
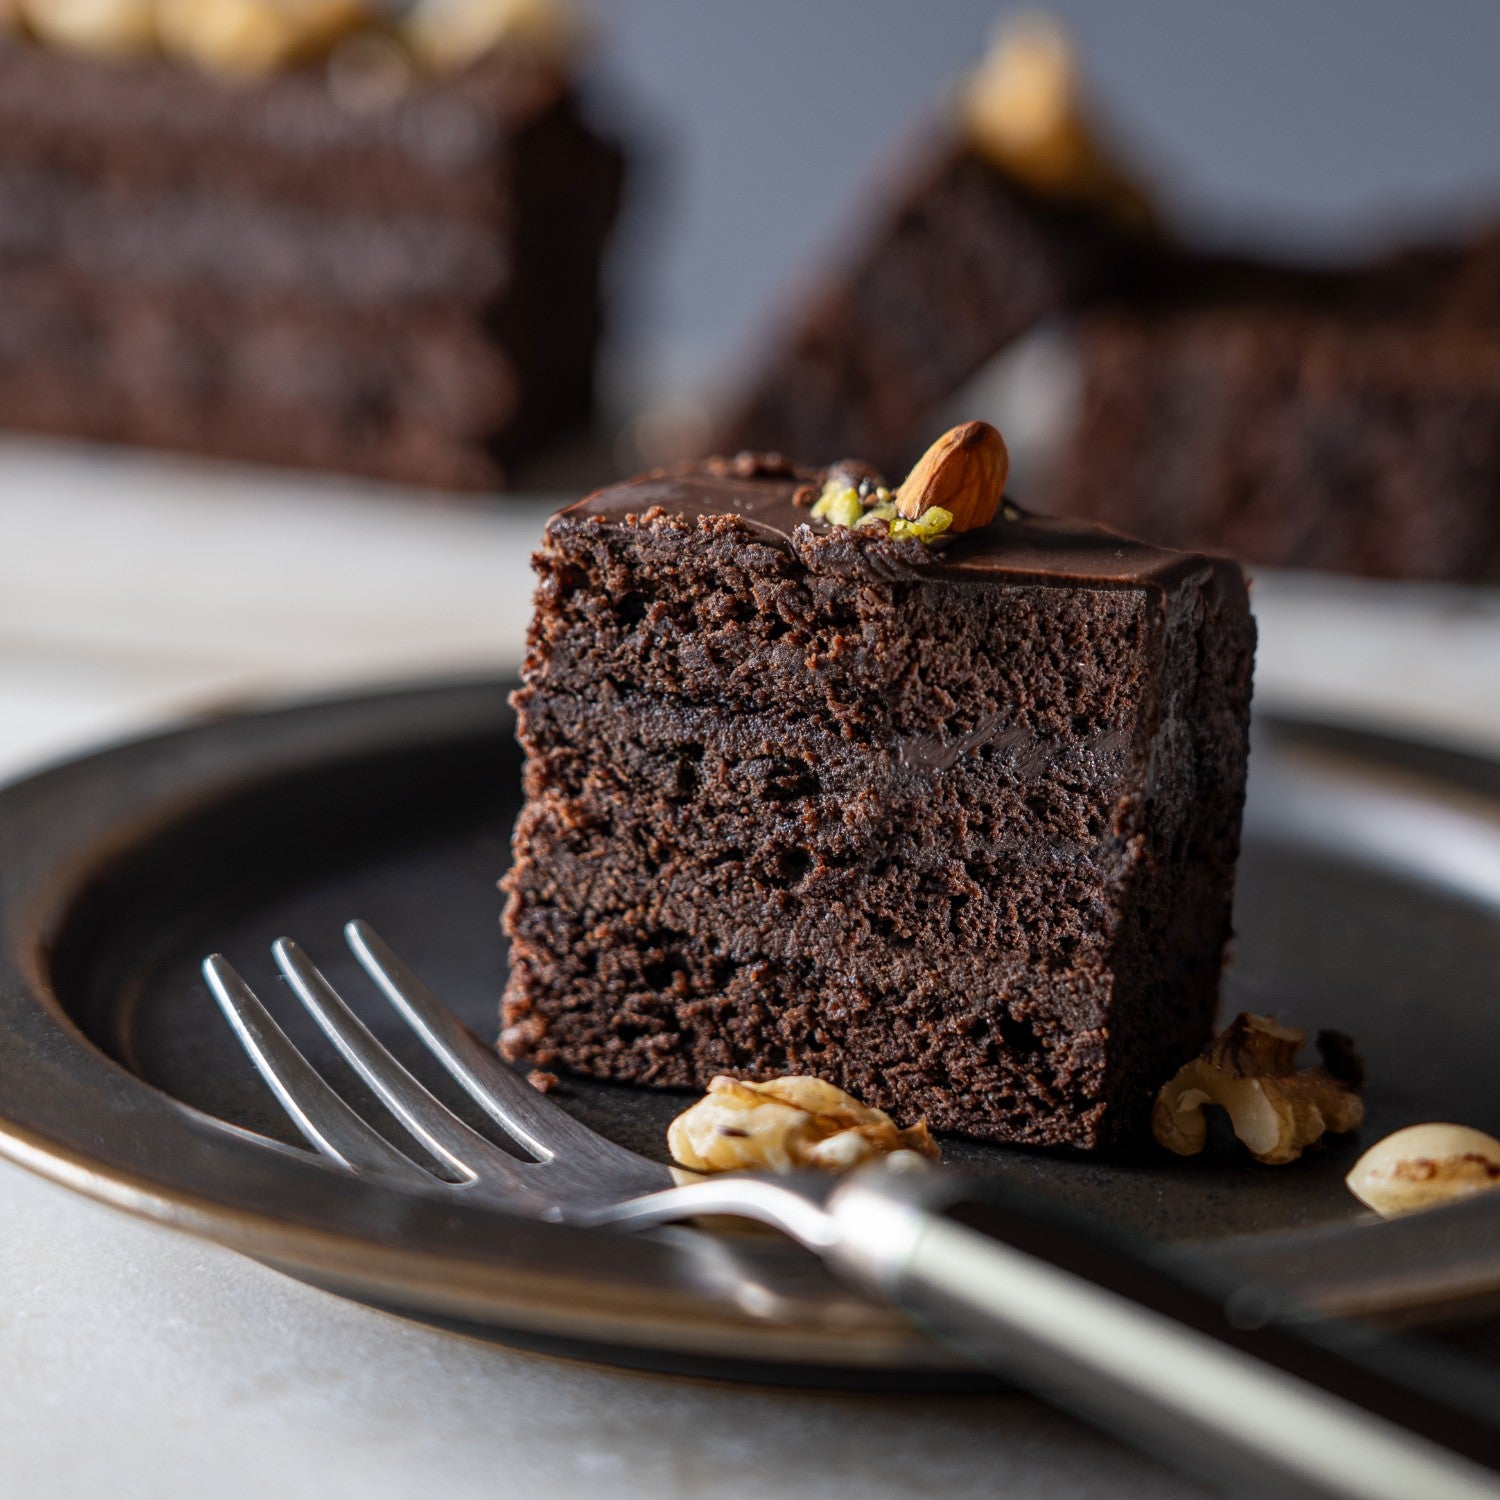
327	1123
423	1113
544	1128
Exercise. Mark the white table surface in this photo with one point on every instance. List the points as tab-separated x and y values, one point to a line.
137	1362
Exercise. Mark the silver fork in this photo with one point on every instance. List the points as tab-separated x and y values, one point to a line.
1134	1341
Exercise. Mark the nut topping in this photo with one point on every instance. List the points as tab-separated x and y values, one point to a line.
1250	1071
106	28
787	1125
963	473
1423	1166
250	38
1024	110
448	35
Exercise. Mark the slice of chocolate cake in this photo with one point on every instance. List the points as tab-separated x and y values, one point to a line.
996	217
951	824
352	262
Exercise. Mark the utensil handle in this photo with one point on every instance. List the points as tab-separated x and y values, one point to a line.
1218	1378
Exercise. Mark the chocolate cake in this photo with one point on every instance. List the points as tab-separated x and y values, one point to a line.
1342	421
995	217
386	273
951	825
967	260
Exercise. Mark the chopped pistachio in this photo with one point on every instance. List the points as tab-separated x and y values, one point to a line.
841	504
844	509
838	504
932	522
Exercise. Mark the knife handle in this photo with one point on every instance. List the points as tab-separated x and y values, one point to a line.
1225	1379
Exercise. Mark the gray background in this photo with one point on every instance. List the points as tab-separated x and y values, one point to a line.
1314	126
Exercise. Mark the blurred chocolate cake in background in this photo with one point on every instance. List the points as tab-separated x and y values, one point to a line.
314	233
1347	421
1342	418
1001	213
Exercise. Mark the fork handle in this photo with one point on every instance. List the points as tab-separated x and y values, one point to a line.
1217	1377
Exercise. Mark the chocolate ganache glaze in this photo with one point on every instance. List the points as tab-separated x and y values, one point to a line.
761	492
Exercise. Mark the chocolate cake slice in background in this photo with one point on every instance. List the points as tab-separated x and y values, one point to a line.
340	265
1346	421
1344	418
953	827
999	214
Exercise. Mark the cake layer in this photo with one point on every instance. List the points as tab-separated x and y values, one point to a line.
658	1007
154	125
405	398
735	613
244	248
956	830
776	836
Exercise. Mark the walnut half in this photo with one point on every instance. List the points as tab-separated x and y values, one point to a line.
786	1125
1250	1071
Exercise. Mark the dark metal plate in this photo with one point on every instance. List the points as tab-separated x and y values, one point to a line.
1369	900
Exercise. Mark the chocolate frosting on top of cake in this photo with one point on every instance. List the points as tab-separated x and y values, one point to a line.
1037	549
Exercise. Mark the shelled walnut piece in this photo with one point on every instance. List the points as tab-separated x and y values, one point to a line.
787	1125
1250	1071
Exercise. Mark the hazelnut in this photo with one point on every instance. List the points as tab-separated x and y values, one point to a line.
110	28
786	1125
1250	1071
249	38
1424	1166
962	474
